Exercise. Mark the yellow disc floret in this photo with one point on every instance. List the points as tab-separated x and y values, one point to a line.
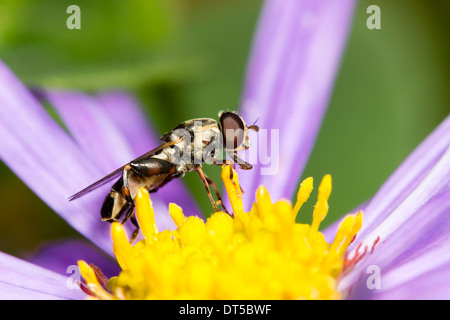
261	254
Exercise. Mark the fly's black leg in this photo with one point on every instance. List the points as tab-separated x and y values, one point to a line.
219	198
242	164
206	185
134	221
128	209
136	231
219	162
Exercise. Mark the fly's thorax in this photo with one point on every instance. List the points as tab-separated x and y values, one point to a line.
200	140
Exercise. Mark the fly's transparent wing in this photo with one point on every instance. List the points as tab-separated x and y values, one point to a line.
116	173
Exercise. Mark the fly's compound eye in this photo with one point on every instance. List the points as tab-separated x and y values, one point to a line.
232	130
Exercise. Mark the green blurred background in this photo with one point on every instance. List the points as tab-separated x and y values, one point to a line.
186	59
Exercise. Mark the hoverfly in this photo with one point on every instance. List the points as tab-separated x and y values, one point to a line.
185	149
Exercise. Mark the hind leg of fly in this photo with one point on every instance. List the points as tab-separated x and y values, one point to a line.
219	197
142	168
207	183
128	208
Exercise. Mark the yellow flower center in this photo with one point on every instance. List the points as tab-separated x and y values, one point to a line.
261	254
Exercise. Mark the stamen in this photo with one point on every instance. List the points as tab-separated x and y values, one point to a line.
92	283
220	227
321	207
358	256
87	272
121	246
192	231
283	211
177	214
302	195
349	263
145	214
348	228
264	205
102	279
233	189
375	242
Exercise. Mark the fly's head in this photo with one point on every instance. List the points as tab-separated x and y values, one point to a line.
235	135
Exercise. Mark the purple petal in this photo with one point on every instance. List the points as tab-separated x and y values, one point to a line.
130	120
411	253
60	256
410	214
42	155
290	77
25	281
433	285
90	125
422	175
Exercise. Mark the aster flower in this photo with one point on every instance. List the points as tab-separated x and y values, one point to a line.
262	254
401	232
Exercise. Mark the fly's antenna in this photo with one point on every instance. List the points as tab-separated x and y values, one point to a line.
254	127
